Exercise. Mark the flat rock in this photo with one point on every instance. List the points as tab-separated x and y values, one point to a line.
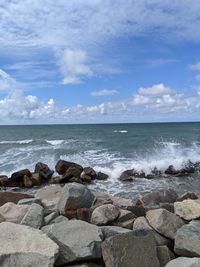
164	222
104	214
24	246
130	249
77	240
12	197
184	262
187	240
109	231
12	212
75	196
34	216
162	196
188	209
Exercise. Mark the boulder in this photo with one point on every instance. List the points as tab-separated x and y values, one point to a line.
3	179
127	175
2	219
77	240
24	246
101	176
36	178
187	240
88	264
34	216
121	202
27	182
59	219
11	183
18	176
101	198
12	212
104	214
162	196
49	218
184	262
187	195
109	231
29	201
90	172
125	219
70	173
130	249
62	166
12	197
188	209
75	196
137	210
86	178
164	222
44	171
171	170
164	255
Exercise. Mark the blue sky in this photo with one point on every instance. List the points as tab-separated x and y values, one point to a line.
96	61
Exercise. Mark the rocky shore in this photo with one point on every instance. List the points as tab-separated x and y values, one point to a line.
66	224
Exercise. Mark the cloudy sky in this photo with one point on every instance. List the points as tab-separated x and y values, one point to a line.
88	61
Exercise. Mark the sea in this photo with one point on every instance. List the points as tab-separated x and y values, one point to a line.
109	148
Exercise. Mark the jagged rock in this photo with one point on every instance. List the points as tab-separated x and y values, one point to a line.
137	210
49	218
184	262
12	197
101	176
44	170
18	176
71	172
90	172
127	175
27	182
188	209
62	166
187	240
164	255
109	231
162	196
75	196
130	249
29	201
164	222
77	240
36	178
86	178
104	214
34	216
12	212
125	219
187	195
24	246
59	219
101	198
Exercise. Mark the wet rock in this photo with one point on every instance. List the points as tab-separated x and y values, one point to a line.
40	251
75	196
162	196
12	197
11	183
74	180
187	240
104	214
62	166
86	178
44	170
164	255
36	178
171	170
188	209
130	249
109	231
164	222
27	182
70	173
90	172
12	212
127	175
34	216
101	176
184	262
18	176
77	240
167	206
187	195
59	219
125	219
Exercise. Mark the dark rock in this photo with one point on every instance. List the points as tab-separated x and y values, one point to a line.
171	170
11	183
187	195
18	176
109	231
125	219
3	179
90	172
164	255
127	175
101	176
137	210
75	180
62	166
104	214
36	178
162	196
86	178
27	182
12	197
72	172
55	180
44	170
184	262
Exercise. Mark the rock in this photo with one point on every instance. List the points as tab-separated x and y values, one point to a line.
70	173
184	262
29	201
142	224
12	197
12	212
44	170
36	178
27	182
77	240
18	176
84	265
187	240
2	219
49	196
164	255
83	214
125	219
171	170
164	222
167	206
137	210
187	195
127	175
49	218
11	183
3	179
59	219
90	172
74	180
75	196
121	202
86	178
55	180
34	216
24	246
101	198
62	166
188	209
104	214
109	231
162	196
101	176
130	249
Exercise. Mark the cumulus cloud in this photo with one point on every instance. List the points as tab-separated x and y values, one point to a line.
104	92
157	89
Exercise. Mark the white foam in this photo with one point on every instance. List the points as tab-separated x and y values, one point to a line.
27	141
120	131
55	142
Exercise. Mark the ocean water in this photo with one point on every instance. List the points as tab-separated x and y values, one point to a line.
111	148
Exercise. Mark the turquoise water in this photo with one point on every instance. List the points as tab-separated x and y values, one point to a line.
111	148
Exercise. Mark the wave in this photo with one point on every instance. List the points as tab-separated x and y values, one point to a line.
120	131
55	142
26	141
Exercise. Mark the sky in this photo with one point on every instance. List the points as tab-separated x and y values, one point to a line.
99	61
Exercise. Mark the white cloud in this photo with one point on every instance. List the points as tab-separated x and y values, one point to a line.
104	92
141	100
157	89
7	83
195	66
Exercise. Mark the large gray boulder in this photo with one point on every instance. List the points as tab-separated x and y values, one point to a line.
12	212
162	196
104	214
109	231
77	240
34	216
130	249
164	222
23	246
184	262
188	209
75	196
187	240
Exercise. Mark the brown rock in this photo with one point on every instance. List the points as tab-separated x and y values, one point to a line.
12	197
86	178
71	214
101	176
27	181
62	166
18	176
83	214
3	179
10	183
90	172
36	178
